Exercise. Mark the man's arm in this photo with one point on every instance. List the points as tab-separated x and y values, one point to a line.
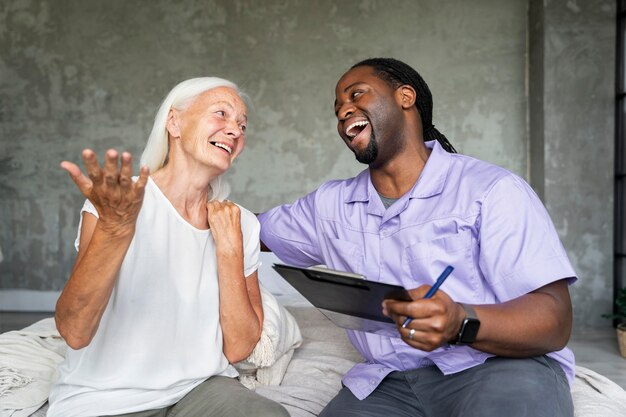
289	231
523	266
533	324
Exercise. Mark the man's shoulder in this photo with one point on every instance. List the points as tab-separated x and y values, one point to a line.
477	173
342	185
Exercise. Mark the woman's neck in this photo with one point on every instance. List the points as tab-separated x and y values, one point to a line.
187	191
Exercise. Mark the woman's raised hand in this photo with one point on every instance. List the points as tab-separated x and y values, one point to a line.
111	190
224	219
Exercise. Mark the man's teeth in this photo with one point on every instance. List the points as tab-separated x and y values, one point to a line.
349	131
226	147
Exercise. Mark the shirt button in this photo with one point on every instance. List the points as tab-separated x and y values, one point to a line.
373	382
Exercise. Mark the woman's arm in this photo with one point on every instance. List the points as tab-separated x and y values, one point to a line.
241	309
241	316
103	243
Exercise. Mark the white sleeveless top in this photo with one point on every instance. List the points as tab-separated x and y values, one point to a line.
159	336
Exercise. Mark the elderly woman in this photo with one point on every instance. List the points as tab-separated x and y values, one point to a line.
164	295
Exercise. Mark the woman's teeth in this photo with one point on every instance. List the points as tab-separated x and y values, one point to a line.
223	146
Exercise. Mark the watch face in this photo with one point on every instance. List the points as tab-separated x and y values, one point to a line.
469	331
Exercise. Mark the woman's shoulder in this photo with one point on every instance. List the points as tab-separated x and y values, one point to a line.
247	217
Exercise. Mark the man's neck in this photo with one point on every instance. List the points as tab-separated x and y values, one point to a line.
399	175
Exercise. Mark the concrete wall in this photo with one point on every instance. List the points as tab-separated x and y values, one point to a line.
75	74
578	129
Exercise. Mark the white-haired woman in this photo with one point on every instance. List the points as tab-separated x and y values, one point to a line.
164	295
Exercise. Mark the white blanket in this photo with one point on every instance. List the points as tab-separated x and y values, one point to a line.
597	396
280	336
29	358
28	363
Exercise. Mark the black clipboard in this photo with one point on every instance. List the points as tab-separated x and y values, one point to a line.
348	300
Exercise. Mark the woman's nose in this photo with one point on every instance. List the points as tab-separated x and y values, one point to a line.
233	129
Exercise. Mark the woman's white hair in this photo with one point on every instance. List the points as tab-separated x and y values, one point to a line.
156	150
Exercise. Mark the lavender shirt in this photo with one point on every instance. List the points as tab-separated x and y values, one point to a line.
483	220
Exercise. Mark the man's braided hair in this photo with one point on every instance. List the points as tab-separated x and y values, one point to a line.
397	73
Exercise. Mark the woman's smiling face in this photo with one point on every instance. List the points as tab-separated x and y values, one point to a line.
212	128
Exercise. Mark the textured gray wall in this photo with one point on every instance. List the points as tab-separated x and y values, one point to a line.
76	74
579	102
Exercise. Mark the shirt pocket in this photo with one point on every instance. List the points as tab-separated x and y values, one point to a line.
423	262
343	255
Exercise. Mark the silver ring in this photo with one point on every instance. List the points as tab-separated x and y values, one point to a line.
411	333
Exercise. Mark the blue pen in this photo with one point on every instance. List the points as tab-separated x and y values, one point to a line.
433	289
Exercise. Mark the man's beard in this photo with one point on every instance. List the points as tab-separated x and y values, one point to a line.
370	153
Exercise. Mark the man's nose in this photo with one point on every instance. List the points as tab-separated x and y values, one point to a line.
346	110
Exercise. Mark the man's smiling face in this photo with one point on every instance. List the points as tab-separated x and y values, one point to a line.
367	114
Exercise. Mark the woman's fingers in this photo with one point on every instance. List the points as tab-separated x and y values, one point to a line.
126	172
111	184
223	214
92	166
111	172
144	173
110	189
83	183
225	223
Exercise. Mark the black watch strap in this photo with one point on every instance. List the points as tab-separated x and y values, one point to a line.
469	327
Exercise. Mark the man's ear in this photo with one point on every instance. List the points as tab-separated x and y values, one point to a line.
406	96
173	123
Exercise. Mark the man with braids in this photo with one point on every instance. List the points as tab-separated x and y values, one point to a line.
491	341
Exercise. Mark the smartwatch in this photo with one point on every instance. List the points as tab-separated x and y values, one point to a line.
469	327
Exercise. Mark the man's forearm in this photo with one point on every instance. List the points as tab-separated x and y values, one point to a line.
534	324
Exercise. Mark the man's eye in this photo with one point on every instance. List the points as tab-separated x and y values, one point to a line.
221	113
355	93
243	128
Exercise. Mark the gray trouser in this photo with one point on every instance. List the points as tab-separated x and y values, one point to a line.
532	387
218	396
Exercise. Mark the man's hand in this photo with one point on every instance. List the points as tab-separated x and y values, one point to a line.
436	320
111	190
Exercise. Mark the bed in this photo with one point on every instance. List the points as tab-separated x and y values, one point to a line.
300	365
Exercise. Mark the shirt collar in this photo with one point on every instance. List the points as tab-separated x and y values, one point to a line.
430	182
433	177
360	191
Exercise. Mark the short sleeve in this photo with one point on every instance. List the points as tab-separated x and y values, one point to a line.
289	231
87	208
519	248
250	228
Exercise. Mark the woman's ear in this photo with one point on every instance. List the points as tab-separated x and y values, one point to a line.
406	95
173	123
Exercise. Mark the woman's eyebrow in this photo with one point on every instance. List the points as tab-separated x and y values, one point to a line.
230	106
222	102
